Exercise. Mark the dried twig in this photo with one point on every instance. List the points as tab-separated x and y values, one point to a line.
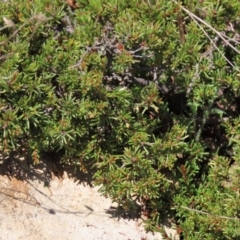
210	214
225	38
221	35
193	16
38	17
213	42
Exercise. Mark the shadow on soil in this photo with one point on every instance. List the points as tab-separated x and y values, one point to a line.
22	169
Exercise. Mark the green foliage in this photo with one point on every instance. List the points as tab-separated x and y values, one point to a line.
147	92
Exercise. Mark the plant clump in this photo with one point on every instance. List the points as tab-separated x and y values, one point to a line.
146	92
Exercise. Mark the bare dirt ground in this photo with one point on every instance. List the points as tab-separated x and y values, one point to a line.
36	204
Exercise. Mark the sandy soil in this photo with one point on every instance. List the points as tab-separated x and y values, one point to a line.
36	204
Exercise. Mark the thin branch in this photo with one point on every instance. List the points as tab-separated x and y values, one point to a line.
230	39
39	17
192	15
214	44
196	19
196	75
210	214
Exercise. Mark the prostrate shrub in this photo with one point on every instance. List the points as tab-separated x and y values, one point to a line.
147	92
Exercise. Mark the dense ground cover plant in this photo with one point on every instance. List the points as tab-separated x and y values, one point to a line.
147	92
